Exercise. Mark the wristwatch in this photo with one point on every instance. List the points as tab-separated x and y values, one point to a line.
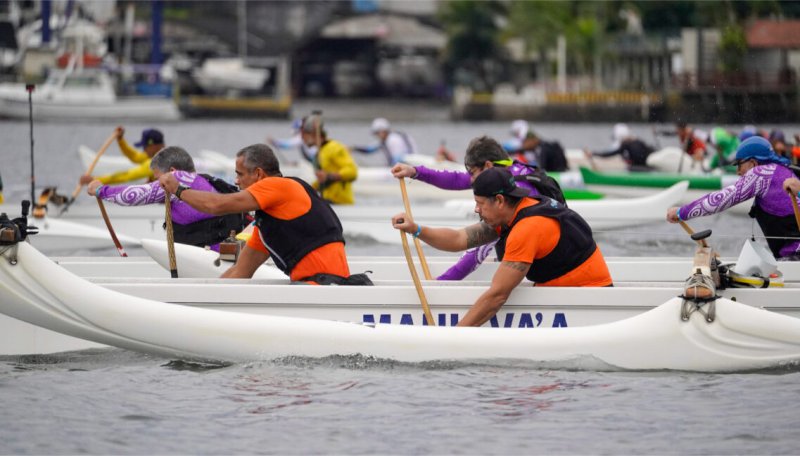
181	188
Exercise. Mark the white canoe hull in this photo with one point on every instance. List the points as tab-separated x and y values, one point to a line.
194	262
741	337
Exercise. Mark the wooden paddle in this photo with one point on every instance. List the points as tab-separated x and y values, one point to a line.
173	264
417	283
89	170
110	228
796	209
690	231
423	263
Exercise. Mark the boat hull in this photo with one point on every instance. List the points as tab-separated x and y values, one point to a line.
738	337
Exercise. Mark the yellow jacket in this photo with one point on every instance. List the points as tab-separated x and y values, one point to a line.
333	157
137	172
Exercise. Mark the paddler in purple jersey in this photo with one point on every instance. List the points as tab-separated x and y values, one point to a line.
761	175
190	226
482	153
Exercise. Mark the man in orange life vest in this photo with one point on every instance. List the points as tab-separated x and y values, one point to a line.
539	238
293	224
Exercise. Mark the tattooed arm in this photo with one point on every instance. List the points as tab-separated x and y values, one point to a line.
447	239
507	277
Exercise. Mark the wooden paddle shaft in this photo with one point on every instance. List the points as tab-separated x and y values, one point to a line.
796	209
417	244
97	156
110	228
690	231
173	264
417	284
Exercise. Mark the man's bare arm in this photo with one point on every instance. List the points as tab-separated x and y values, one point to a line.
508	276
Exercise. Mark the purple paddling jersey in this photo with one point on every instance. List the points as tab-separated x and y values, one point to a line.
764	182
460	180
152	193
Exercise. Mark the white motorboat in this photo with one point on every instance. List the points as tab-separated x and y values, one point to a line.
82	94
667	332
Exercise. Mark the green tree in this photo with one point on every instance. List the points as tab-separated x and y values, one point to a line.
473	38
732	48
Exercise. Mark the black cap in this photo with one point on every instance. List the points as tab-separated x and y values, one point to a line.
149	137
497	181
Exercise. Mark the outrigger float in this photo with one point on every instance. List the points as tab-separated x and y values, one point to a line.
694	329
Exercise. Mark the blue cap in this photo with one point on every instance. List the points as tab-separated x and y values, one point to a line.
760	149
149	137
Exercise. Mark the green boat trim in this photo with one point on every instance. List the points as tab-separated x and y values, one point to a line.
581	194
656	180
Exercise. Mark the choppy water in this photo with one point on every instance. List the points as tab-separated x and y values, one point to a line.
118	402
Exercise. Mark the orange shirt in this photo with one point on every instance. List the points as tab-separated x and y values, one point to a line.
286	199
535	237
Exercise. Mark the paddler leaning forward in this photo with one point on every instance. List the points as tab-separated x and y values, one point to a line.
539	238
294	225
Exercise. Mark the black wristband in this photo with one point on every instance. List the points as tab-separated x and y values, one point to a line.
180	190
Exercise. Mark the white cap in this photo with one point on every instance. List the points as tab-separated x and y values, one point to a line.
621	131
702	135
519	128
380	124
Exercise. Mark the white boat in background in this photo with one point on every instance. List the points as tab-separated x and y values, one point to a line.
59	235
109	164
666	331
669	160
222	75
86	94
610	212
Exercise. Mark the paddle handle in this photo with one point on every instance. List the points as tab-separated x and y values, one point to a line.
97	156
796	209
114	238
690	232
417	244
417	284
173	264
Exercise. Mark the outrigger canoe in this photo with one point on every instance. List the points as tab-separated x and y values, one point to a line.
664	333
657	180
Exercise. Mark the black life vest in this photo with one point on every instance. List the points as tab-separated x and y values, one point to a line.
635	152
574	246
773	225
550	156
544	184
288	241
212	230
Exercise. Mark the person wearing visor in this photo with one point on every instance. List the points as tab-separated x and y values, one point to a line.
482	153
294	142
152	141
761	176
538	238
393	145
